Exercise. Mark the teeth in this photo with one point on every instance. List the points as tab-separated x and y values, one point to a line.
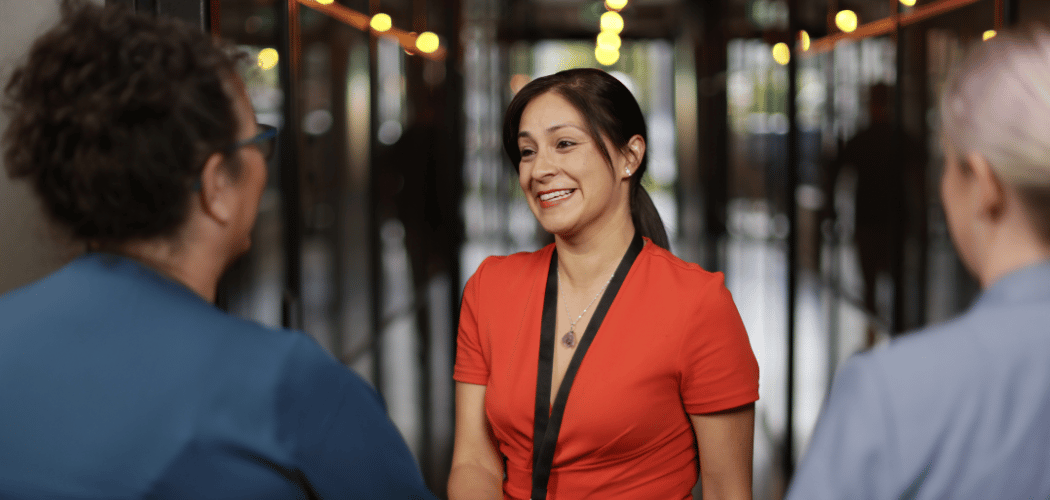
555	195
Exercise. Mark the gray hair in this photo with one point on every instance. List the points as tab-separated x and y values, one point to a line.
997	104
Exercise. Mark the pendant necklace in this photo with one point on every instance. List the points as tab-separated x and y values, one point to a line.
569	339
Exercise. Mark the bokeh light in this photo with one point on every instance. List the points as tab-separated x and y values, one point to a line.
268	58
427	42
606	57
781	53
615	4
803	36
908	3
846	20
609	40
988	35
381	22
324	2
612	22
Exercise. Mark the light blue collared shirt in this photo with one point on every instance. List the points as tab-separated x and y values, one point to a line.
958	410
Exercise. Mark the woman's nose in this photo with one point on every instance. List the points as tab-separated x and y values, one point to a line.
543	167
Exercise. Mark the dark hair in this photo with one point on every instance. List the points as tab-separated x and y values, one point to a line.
113	114
611	112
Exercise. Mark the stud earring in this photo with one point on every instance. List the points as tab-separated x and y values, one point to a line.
627	170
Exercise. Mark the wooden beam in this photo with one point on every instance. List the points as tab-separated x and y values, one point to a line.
361	21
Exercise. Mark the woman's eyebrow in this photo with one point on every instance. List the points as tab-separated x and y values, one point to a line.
552	129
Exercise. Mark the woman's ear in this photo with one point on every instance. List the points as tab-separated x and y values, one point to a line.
990	193
216	194
633	154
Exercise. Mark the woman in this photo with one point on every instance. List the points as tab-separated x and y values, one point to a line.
118	377
961	409
670	369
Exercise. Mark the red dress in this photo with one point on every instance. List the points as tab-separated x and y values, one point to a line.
672	344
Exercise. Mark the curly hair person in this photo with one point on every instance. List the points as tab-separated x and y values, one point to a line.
112	115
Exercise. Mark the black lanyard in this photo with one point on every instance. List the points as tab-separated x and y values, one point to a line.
548	425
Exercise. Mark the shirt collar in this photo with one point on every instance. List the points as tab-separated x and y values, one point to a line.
1028	283
128	266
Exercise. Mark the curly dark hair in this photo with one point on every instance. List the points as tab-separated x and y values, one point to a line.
112	116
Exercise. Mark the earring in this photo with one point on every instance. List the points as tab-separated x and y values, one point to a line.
627	170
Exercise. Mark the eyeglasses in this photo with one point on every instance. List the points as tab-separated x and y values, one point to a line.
265	140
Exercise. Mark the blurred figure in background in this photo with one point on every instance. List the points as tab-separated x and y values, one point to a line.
118	377
885	161
962	409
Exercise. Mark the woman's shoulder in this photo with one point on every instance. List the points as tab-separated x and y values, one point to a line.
664	263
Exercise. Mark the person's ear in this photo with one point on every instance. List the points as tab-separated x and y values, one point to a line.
990	195
217	196
633	155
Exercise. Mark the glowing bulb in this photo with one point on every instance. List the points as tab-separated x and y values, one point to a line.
324	2
908	3
609	40
846	21
615	4
781	53
381	22
988	35
427	42
803	36
612	22
268	58
606	57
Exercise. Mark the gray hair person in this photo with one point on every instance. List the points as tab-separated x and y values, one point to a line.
118	376
962	409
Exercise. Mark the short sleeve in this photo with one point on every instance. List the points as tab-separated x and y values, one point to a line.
341	439
849	455
472	364
718	368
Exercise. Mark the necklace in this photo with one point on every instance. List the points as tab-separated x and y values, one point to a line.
569	339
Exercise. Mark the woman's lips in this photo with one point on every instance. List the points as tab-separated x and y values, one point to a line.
554	197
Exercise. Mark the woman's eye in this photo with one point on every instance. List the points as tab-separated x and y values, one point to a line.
565	144
526	152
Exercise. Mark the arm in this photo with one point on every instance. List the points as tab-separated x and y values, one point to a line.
477	471
851	452
726	443
341	439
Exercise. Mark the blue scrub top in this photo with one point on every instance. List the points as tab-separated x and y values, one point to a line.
117	382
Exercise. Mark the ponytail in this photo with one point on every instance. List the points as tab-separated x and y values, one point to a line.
646	219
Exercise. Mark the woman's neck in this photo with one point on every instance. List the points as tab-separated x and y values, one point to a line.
178	262
585	260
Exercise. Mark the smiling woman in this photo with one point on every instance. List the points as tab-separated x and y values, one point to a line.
638	358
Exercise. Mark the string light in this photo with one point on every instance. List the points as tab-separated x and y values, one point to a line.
781	54
606	57
612	22
615	4
427	42
803	37
609	40
988	35
846	20
324	2
908	3
381	22
268	58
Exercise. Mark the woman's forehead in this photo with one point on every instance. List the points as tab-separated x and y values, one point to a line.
547	112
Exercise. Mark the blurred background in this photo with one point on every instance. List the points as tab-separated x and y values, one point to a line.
793	145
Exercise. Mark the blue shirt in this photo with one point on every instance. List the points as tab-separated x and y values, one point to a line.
116	382
959	410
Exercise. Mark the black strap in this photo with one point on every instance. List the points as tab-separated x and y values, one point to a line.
547	423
